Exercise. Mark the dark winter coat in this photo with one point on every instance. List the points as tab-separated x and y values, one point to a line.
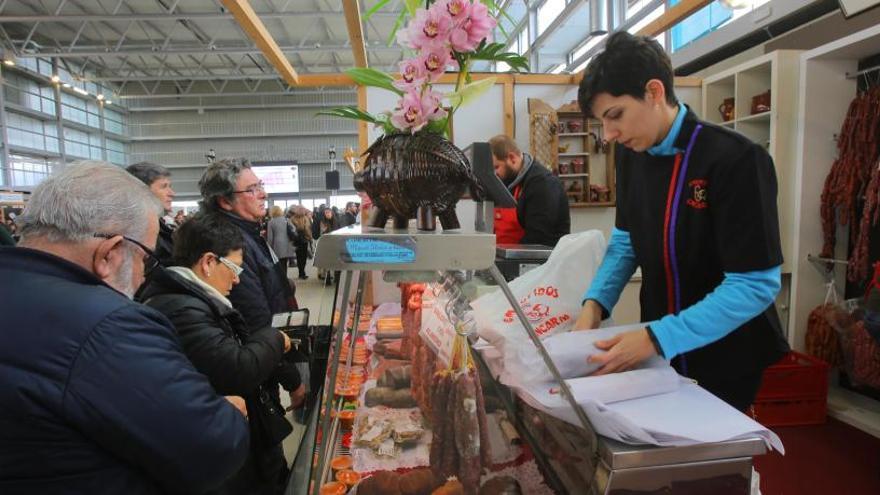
542	207
97	395
216	339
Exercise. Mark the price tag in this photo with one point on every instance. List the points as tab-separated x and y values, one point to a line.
437	331
370	250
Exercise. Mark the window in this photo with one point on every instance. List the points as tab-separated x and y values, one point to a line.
81	144
28	170
548	12
114	121
27	132
116	152
699	24
595	40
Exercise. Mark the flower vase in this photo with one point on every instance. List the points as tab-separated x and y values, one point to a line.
418	176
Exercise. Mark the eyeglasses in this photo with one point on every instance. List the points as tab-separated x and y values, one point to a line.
236	270
151	262
253	190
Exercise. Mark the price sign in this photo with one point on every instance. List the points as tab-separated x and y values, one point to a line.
374	250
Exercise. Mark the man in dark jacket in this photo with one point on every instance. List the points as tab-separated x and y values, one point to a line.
97	395
541	215
158	179
231	188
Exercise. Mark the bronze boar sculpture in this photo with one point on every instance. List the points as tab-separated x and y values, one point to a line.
416	176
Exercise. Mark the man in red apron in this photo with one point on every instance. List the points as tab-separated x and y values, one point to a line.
541	215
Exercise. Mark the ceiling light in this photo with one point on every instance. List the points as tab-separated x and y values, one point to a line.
108	102
9	62
66	85
81	91
55	78
100	97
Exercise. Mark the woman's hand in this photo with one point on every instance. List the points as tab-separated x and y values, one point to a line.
590	317
625	352
287	344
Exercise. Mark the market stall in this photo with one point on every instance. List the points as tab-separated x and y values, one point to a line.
415	402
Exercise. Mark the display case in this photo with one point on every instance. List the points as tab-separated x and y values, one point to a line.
410	404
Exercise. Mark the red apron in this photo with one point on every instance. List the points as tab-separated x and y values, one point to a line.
507	227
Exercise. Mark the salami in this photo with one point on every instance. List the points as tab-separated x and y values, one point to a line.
467	431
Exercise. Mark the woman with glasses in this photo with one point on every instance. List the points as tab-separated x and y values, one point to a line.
193	295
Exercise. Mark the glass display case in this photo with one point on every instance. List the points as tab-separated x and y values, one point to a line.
412	405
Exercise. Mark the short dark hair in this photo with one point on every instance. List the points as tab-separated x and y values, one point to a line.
205	232
624	67
148	172
219	180
502	145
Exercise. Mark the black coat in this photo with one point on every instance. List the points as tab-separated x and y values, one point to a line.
217	341
262	291
165	243
215	337
97	395
542	208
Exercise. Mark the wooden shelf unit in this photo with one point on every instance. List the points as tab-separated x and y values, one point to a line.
569	143
777	72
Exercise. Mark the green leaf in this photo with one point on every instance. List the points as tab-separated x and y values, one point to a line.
366	76
350	112
470	92
412	6
397	24
375	8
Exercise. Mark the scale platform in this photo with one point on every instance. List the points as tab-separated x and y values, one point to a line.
359	247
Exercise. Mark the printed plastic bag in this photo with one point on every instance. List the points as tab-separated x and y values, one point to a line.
549	295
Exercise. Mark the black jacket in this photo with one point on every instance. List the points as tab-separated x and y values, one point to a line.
215	337
165	243
262	291
217	341
542	207
723	203
97	395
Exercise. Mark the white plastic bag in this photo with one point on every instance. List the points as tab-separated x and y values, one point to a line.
549	295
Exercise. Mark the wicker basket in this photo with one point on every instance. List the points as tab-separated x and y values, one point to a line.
416	176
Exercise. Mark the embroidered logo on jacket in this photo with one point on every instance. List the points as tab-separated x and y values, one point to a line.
699	194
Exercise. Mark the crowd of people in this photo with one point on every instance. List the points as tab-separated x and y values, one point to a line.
139	352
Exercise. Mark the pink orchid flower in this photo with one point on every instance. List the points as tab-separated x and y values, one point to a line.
458	10
480	24
415	111
429	28
435	60
412	74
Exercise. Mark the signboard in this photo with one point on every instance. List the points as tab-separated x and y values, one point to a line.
368	250
11	197
278	178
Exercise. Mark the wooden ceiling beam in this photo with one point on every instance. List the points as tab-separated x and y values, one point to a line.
673	16
256	30
355	32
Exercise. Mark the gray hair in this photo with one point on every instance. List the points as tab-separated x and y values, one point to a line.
148	172
219	181
86	198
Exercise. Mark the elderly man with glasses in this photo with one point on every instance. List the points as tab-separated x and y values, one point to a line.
231	188
97	395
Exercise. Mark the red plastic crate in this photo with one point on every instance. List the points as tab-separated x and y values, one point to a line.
793	391
795	375
790	412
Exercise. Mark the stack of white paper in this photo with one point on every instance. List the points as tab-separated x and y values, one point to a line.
652	405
